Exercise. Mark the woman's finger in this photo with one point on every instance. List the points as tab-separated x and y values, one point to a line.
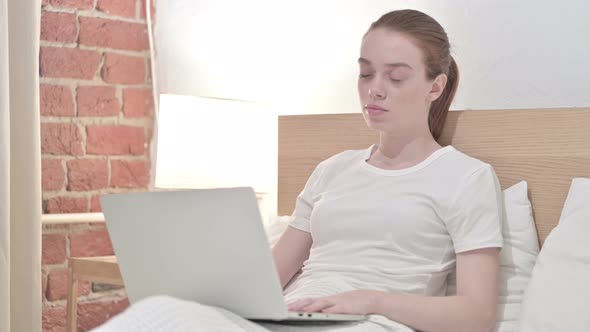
335	309
317	305
297	305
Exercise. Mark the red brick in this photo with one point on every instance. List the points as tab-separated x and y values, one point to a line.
97	101
124	8
44	2
93	314
61	138
142	9
129	174
53	175
137	102
56	100
87	174
115	34
57	285
95	204
54	319
79	4
59	27
67	205
122	69
115	140
68	63
53	249
91	243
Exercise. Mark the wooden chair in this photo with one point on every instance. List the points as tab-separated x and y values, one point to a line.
99	269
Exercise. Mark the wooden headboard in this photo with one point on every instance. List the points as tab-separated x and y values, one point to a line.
545	147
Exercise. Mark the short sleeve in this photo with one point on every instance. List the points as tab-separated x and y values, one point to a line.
304	204
474	218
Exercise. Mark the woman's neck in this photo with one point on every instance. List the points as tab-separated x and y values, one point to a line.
402	152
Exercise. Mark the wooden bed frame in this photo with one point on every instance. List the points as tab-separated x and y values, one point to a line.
545	147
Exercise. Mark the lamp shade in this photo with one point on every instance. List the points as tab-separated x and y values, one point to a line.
213	143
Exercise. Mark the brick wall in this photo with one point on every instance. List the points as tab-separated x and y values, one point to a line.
96	124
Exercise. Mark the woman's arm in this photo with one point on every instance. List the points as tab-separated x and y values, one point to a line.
473	309
290	252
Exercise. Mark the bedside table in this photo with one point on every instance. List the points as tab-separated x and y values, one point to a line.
102	269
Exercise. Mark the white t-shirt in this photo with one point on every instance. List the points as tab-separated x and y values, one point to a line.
394	230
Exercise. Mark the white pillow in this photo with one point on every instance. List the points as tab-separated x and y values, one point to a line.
276	228
517	258
558	295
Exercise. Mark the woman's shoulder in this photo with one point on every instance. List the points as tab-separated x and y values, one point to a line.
464	165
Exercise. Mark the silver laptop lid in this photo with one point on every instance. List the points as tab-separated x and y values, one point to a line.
205	245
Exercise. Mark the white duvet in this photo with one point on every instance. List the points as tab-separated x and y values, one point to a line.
165	314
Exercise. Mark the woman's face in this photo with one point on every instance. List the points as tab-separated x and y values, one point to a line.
394	91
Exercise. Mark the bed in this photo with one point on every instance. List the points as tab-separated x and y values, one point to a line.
545	147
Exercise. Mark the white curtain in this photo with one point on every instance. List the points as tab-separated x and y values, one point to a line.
20	171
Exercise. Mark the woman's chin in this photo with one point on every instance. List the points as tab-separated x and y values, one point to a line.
376	124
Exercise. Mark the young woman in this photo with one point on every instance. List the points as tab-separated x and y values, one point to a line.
379	230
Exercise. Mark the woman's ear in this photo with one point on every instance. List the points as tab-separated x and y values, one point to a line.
438	86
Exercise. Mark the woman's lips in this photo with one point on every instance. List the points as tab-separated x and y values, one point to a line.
375	110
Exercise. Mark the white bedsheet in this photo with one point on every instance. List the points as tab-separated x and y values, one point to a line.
165	314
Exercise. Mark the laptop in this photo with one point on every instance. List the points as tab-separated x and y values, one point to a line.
203	245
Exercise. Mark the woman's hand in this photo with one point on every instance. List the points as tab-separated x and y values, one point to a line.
357	302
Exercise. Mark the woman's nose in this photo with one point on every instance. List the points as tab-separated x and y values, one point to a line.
376	93
376	90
